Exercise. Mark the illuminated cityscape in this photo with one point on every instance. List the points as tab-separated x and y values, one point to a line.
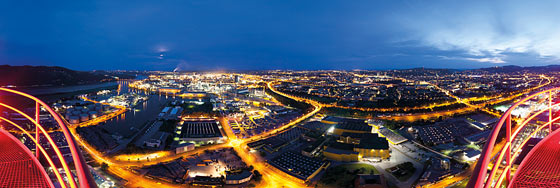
255	94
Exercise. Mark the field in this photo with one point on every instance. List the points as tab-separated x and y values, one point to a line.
343	175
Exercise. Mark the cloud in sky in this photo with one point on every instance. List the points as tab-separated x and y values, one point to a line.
249	35
486	30
486	59
477	59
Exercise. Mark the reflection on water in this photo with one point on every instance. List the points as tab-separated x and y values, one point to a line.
136	117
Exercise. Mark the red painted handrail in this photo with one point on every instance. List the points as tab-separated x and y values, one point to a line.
480	177
84	176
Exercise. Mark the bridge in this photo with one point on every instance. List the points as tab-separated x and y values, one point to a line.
541	166
19	167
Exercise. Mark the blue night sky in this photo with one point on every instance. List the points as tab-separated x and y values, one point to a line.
254	35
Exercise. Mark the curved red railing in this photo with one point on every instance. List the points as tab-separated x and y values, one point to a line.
500	171
18	165
84	176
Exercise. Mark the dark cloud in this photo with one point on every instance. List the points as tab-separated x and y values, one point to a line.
248	35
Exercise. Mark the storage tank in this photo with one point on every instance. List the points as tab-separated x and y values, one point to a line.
84	117
92	114
74	119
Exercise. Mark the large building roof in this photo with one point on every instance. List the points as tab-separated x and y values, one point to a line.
341	146
200	129
339	151
354	125
373	141
353	135
238	176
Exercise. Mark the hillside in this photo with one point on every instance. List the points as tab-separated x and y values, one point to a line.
32	76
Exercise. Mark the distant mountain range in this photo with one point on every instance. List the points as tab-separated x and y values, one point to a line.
496	69
37	76
513	68
490	70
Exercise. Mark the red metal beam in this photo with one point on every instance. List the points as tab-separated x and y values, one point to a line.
43	151
51	142
479	178
19	166
84	175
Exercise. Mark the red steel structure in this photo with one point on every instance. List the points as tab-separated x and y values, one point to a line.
19	168
35	171
541	166
501	163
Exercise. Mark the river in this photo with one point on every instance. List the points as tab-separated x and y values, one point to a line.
135	118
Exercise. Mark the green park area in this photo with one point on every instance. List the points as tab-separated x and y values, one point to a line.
402	171
343	175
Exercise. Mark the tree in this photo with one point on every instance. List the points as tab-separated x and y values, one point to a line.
257	175
104	166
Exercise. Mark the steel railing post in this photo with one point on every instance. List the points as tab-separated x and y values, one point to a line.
37	118
508	154
550	112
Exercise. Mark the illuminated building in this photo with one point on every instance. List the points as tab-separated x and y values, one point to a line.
184	147
341	152
207	181
299	166
169	90
169	113
354	146
371	145
331	120
193	94
355	141
199	132
156	140
445	164
352	126
238	178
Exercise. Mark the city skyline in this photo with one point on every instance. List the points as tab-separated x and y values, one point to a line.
279	128
229	35
275	94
